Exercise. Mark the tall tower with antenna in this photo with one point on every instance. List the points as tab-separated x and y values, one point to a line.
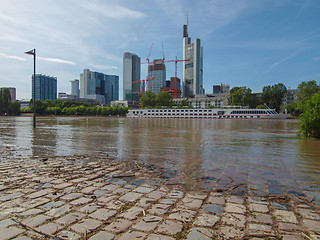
192	73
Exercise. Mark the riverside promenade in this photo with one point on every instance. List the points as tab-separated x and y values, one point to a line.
99	198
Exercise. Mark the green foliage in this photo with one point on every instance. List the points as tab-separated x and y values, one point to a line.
241	96
261	106
273	95
164	99
53	111
14	108
310	119
148	99
304	93
5	99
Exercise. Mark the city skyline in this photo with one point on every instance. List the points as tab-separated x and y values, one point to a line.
246	42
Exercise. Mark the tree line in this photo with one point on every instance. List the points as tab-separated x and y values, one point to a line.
71	108
8	107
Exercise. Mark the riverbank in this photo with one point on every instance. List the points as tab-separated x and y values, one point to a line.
97	197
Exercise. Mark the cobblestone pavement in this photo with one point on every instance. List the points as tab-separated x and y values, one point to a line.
91	197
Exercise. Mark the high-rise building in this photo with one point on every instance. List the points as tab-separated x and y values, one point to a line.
222	88
156	70
75	88
98	86
192	79
131	73
46	87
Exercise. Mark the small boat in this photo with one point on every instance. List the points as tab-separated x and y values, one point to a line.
206	113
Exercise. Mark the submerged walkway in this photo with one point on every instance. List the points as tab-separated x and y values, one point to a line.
94	197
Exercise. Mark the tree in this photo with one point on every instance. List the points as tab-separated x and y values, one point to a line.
6	99
14	108
310	119
304	93
1	103
164	99
273	95
148	99
241	96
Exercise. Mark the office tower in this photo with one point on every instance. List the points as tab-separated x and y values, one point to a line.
192	70
46	87
131	73
111	88
75	90
98	86
156	70
222	88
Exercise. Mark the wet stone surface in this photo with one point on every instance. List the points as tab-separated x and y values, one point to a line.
95	197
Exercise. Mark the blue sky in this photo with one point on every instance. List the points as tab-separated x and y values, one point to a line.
246	42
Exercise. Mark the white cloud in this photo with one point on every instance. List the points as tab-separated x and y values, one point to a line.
12	57
56	60
316	58
282	60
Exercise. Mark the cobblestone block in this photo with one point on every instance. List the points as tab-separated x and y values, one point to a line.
159	209
292	237
6	223
259	229
254	207
168	201
69	235
103	214
39	193
70	218
198	234
231	232
132	213
156	195
111	187
10	232
170	228
62	185
281	206
176	194
235	208
145	202
81	201
148	223
159	237
86	225
312	225
58	212
30	212
133	235
22	238
50	228
102	236
234	219
115	205
216	200
130	197
107	198
258	200
206	220
192	203
35	202
71	196
309	214
89	208
88	190
36	221
213	208
235	199
143	189
289	226
51	205
118	226
197	195
260	218
285	216
183	215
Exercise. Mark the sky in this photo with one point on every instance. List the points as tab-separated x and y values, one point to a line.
250	43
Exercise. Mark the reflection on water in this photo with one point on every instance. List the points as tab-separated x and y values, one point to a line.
205	148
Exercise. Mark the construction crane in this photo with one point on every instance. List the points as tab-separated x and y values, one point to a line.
176	69
142	80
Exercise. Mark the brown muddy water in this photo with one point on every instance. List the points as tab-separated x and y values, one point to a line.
264	155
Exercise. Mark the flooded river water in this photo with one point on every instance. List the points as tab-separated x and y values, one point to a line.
263	154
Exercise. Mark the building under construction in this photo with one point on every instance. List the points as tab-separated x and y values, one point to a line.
156	70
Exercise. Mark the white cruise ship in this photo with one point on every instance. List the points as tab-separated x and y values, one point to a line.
206	113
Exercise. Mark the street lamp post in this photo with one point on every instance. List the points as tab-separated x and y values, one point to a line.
33	52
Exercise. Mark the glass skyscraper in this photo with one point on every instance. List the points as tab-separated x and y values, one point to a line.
98	86
156	70
131	73
46	88
193	69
